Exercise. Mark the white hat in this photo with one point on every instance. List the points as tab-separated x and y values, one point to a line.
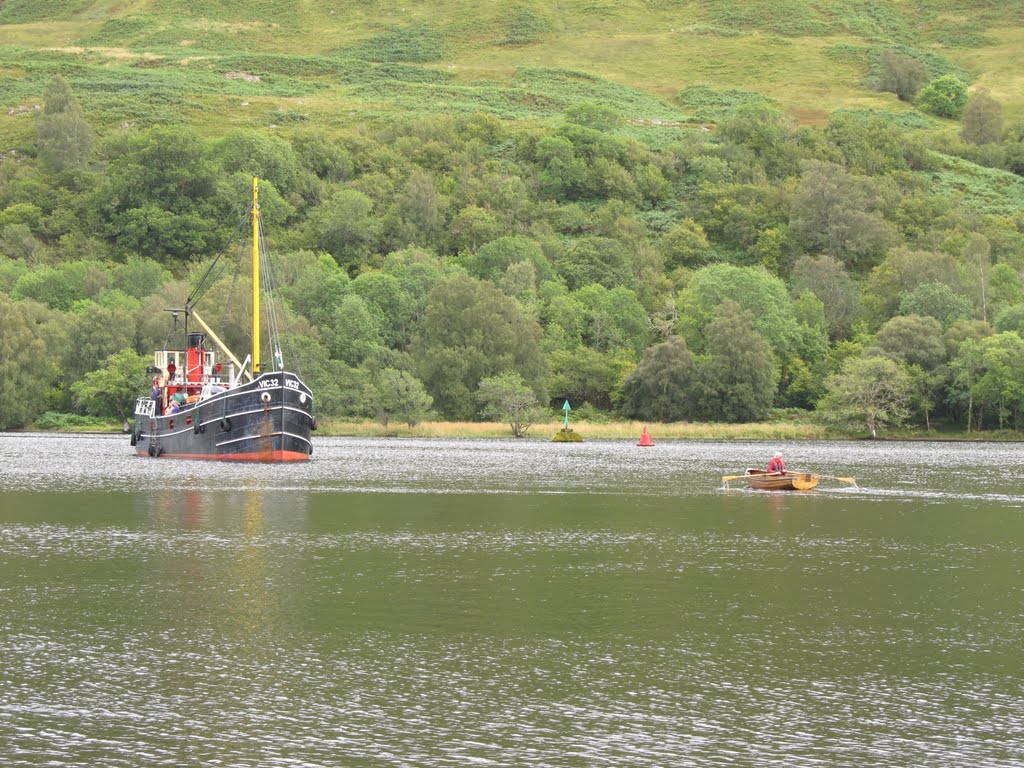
778	455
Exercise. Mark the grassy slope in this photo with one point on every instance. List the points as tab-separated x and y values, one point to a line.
778	48
329	65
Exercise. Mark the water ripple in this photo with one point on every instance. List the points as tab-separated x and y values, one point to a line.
440	604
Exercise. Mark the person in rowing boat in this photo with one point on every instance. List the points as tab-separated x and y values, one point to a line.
776	466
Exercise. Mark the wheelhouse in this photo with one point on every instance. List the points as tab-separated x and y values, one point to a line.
185	376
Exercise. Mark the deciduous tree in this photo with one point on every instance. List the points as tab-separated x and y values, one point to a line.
827	279
111	389
95	332
837	213
471	331
65	138
507	398
901	272
259	153
686	245
1000	385
936	300
945	96
754	289
26	360
739	376
982	121
494	258
396	394
913	340
585	375
160	196
613	319
389	303
872	392
596	260
354	332
901	74
345	227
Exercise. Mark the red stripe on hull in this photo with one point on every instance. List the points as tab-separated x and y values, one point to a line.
265	456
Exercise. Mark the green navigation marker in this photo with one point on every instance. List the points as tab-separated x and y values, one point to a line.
566	435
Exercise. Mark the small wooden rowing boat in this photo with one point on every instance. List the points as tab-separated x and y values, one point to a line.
761	480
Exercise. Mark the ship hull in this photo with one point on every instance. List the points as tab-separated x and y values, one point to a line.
269	419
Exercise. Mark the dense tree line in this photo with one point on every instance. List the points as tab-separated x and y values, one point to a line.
449	266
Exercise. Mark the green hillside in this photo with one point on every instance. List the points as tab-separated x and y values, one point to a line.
671	210
180	61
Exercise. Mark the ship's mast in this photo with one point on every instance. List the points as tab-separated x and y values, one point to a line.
255	276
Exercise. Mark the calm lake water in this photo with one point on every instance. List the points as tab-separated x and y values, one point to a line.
498	603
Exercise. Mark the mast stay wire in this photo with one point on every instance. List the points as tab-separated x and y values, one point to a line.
207	280
270	287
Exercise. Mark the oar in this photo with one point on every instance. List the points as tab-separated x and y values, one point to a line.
727	478
829	477
840	479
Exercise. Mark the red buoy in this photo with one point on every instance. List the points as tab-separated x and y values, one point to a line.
645	439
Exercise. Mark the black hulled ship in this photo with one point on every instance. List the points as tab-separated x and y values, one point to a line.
199	408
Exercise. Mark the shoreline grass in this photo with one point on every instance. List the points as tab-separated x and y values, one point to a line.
618	430
594	430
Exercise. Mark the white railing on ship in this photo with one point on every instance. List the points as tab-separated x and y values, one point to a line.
145	406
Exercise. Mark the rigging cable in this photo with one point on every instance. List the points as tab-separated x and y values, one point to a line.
231	296
205	282
275	325
174	327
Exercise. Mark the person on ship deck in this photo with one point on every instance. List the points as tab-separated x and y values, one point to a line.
158	397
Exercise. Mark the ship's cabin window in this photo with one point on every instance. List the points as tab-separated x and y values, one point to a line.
170	361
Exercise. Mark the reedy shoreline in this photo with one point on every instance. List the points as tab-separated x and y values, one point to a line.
598	430
619	430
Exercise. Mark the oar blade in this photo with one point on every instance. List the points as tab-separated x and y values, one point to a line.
727	478
805	481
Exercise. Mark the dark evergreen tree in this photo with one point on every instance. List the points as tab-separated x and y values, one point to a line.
662	388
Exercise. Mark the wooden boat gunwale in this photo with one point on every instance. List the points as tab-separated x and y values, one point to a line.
761	480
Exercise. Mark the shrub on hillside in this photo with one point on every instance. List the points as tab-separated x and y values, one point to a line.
525	27
983	119
902	75
945	96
